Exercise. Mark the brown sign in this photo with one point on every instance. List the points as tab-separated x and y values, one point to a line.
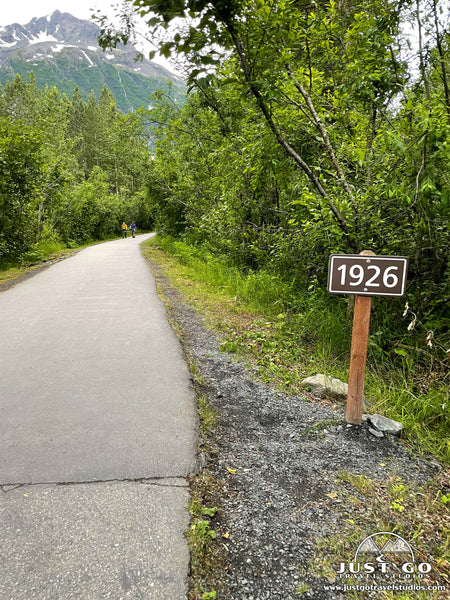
366	275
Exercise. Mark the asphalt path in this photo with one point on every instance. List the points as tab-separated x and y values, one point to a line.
98	433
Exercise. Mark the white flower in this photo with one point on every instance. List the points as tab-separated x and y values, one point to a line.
412	324
405	312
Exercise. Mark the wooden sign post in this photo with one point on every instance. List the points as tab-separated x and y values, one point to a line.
364	275
358	356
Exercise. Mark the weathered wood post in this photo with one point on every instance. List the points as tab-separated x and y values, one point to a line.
358	356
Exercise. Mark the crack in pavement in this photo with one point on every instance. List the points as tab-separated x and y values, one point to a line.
168	482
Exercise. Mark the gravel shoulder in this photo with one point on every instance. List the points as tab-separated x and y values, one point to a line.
276	460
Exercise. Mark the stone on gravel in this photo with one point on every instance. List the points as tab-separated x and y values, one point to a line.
386	425
324	385
376	433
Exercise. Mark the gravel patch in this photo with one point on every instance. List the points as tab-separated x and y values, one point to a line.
278	457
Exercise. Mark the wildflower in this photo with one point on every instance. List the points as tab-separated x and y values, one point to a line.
412	324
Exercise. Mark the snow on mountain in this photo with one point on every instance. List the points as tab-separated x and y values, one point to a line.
63	51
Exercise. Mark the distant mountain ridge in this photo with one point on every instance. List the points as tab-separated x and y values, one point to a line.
63	51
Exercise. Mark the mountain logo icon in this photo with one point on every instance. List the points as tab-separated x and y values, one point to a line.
384	543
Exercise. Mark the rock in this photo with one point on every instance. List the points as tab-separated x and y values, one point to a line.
386	425
324	385
376	433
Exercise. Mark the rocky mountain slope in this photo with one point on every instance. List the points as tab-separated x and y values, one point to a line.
62	51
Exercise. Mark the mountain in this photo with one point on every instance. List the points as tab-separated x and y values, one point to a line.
62	51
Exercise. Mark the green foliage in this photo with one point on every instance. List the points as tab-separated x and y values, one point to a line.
200	535
66	72
49	244
21	173
228	346
415	513
90	211
70	171
312	138
258	289
202	529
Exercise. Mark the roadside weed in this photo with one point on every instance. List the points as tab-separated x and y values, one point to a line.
206	559
202	529
360	482
208	417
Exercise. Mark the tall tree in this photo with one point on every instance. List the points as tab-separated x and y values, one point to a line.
299	62
21	171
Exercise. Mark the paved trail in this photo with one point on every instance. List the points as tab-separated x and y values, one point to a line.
97	434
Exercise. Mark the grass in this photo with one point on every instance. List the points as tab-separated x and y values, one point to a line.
288	339
302	589
205	553
206	557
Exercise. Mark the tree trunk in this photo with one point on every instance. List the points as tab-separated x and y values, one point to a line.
280	138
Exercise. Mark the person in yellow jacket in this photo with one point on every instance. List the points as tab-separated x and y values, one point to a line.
124	230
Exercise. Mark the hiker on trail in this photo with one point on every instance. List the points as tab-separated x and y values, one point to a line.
133	228
124	230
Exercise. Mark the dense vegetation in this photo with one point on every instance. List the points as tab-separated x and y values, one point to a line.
313	138
312	128
70	171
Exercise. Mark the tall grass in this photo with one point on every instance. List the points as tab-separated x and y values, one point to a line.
310	331
259	290
41	251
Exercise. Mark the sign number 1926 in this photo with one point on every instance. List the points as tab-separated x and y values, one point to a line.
367	275
356	274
